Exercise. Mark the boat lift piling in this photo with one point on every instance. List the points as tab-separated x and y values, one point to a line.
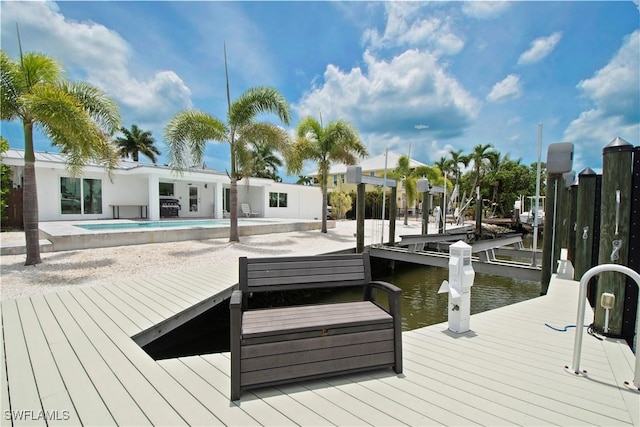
617	163
559	162
354	176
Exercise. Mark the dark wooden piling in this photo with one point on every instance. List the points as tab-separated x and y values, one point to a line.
392	216
360	200
629	317
585	225
426	207
617	160
443	215
573	223
552	223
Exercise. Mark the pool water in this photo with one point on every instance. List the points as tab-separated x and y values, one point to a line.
137	225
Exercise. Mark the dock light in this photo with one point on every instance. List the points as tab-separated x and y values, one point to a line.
607	301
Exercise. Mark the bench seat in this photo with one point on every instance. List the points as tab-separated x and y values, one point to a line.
317	340
277	345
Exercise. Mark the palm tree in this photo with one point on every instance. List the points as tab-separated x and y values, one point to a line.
188	131
403	172
304	180
77	117
481	157
458	159
445	166
137	141
265	162
337	142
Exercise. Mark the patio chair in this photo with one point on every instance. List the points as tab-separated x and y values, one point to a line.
246	209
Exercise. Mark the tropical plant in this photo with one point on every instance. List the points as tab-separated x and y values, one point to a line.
77	117
457	159
188	131
305	180
481	157
340	203
445	166
337	142
403	173
135	142
6	182
409	178
265	162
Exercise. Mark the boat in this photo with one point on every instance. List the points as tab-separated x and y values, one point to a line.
527	216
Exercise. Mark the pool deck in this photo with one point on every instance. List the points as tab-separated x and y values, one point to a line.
69	357
58	236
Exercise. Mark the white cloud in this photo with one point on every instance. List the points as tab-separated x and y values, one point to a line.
615	93
509	88
484	9
94	53
406	28
540	48
394	96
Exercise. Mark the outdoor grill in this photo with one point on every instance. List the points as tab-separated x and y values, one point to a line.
169	208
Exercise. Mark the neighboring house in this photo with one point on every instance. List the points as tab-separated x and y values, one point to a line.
372	166
137	190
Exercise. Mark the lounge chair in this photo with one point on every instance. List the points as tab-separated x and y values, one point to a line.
246	209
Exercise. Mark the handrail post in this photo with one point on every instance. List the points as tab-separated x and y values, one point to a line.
577	347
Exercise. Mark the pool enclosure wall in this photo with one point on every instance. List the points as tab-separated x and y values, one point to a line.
136	190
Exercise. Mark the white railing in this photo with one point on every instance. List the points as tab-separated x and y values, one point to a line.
577	347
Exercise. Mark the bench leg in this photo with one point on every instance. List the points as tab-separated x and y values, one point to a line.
236	327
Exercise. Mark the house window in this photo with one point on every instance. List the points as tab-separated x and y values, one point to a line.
277	200
335	180
166	188
226	200
342	178
372	173
78	196
92	192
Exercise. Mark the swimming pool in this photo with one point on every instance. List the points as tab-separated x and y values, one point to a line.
72	235
194	223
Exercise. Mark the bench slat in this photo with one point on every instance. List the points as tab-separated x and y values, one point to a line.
257	264
329	280
311	271
304	318
258	350
324	368
315	355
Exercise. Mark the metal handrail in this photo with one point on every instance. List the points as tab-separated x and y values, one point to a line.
577	347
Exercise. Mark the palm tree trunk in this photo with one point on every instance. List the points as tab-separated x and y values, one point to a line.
233	219
30	199
406	208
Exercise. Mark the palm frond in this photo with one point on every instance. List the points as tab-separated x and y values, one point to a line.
255	101
103	110
186	136
11	88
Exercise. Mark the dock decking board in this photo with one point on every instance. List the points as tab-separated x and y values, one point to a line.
90	407
175	396
51	388
77	349
117	399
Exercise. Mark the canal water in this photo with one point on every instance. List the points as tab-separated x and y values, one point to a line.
423	306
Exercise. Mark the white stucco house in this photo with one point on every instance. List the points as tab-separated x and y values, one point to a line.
139	190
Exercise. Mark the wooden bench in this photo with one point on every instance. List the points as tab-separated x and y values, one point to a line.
285	344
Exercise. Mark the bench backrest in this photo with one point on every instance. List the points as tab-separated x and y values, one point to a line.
305	272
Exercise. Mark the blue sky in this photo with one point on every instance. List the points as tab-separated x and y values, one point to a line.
436	76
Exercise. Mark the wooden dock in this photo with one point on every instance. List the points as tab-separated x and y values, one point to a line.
68	359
